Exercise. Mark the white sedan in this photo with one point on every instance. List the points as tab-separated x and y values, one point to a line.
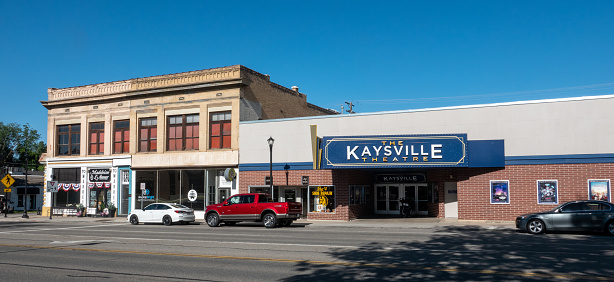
166	213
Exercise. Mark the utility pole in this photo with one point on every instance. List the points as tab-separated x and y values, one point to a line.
351	105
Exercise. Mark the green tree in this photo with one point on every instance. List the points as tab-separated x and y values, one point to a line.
9	138
20	144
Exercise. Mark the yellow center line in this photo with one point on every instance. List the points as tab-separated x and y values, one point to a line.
354	264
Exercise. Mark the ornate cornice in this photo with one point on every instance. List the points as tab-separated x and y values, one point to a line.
146	83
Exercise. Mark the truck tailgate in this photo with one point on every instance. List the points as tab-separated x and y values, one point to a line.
294	207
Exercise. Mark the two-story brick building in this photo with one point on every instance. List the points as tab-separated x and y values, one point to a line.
153	139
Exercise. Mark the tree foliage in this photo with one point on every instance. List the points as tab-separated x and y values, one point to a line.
20	144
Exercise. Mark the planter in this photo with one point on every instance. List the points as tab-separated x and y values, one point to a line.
112	213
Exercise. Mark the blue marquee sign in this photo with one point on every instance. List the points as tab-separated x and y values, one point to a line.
394	151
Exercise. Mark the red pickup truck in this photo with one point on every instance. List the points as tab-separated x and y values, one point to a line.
252	207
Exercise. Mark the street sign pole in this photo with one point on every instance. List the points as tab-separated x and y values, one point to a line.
51	207
8	181
52	187
7	200
25	195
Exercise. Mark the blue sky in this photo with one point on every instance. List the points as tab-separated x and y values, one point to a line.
380	55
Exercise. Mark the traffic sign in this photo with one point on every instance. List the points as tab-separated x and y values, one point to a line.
192	195
7	180
52	186
7	190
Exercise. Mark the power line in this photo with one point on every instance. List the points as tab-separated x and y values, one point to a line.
530	93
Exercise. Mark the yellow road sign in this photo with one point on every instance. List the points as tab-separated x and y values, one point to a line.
7	190
7	180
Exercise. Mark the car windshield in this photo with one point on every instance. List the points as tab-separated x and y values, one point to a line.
178	206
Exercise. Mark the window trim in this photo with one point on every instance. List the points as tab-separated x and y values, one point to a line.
122	141
184	126
221	136
149	138
70	144
98	132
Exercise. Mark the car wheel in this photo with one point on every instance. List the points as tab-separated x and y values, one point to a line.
609	227
134	220
167	220
536	226
213	220
269	220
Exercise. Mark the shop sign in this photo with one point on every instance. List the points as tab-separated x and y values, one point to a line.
321	198
394	151
99	175
230	174
400	178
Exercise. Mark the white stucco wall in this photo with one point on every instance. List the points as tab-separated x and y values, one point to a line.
583	125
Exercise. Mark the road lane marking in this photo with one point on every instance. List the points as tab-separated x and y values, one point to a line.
335	263
59	228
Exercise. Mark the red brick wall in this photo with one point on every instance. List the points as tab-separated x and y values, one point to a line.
342	180
473	186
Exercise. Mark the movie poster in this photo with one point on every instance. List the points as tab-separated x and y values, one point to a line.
499	192
547	192
599	189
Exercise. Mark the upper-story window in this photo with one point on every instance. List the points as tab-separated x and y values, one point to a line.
148	135
220	130
121	136
69	140
96	138
183	132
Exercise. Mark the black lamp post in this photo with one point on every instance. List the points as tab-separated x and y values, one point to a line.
25	195
271	141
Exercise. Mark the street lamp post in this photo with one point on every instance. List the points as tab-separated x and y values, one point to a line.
271	141
25	195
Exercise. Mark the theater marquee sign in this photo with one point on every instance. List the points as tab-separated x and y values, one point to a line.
394	151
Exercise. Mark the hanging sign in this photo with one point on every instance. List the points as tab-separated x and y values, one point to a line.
192	195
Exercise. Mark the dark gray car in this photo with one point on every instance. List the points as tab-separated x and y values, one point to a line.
570	216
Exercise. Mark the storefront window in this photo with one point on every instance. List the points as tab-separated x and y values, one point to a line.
266	190
148	180
193	180
358	194
168	191
69	196
322	198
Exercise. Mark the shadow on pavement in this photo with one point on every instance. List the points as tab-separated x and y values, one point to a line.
468	253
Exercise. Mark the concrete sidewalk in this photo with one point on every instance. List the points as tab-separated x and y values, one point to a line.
414	223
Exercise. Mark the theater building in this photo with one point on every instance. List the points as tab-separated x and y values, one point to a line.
138	141
477	162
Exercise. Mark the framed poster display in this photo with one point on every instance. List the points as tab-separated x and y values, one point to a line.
499	192
548	192
599	189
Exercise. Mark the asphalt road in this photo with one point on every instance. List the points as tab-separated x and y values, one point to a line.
112	251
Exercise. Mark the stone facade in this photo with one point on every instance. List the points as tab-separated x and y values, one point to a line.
238	90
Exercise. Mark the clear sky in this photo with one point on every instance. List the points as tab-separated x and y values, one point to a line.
380	55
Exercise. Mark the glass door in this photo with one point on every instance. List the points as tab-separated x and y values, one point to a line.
417	195
387	199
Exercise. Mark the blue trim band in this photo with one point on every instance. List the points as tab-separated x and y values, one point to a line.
276	166
560	159
515	160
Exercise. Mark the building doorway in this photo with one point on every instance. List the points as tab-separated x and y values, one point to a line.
451	200
387	198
